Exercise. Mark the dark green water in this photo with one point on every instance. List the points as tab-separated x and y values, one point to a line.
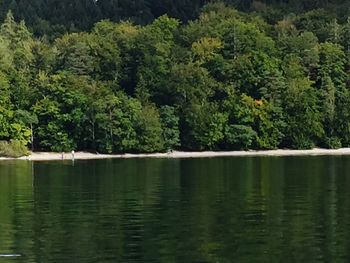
294	209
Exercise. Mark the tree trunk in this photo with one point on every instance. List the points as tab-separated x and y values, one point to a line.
32	136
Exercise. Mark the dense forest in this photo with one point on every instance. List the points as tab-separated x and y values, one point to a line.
55	17
245	75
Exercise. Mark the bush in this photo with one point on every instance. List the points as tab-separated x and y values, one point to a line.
240	137
302	143
333	143
13	149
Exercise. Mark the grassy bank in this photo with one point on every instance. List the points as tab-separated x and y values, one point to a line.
13	149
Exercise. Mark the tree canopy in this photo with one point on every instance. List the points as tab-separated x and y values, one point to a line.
257	76
54	18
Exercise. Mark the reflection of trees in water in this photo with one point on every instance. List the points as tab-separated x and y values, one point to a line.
15	197
207	210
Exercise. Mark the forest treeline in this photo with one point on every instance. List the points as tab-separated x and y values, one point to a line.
227	80
55	17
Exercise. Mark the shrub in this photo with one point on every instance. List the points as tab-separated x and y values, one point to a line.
13	148
333	143
240	137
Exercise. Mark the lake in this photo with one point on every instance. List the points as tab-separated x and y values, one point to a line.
243	209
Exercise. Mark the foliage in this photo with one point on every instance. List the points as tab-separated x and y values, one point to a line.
226	80
240	137
13	149
170	127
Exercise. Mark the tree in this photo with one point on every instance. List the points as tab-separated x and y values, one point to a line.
170	127
155	43
149	129
303	118
60	111
332	63
117	119
240	137
229	79
28	119
203	127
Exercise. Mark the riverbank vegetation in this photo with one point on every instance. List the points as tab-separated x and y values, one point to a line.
13	149
227	80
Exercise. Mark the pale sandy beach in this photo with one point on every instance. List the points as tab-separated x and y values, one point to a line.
47	156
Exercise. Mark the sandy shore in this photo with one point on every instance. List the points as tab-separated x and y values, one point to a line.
47	156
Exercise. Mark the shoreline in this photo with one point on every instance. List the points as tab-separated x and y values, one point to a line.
49	156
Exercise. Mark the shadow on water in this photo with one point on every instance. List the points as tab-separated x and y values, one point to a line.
256	209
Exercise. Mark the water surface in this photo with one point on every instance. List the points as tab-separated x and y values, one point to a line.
244	209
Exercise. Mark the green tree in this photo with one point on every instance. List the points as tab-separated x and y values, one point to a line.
240	137
155	44
28	119
149	130
170	127
303	118
117	117
204	127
